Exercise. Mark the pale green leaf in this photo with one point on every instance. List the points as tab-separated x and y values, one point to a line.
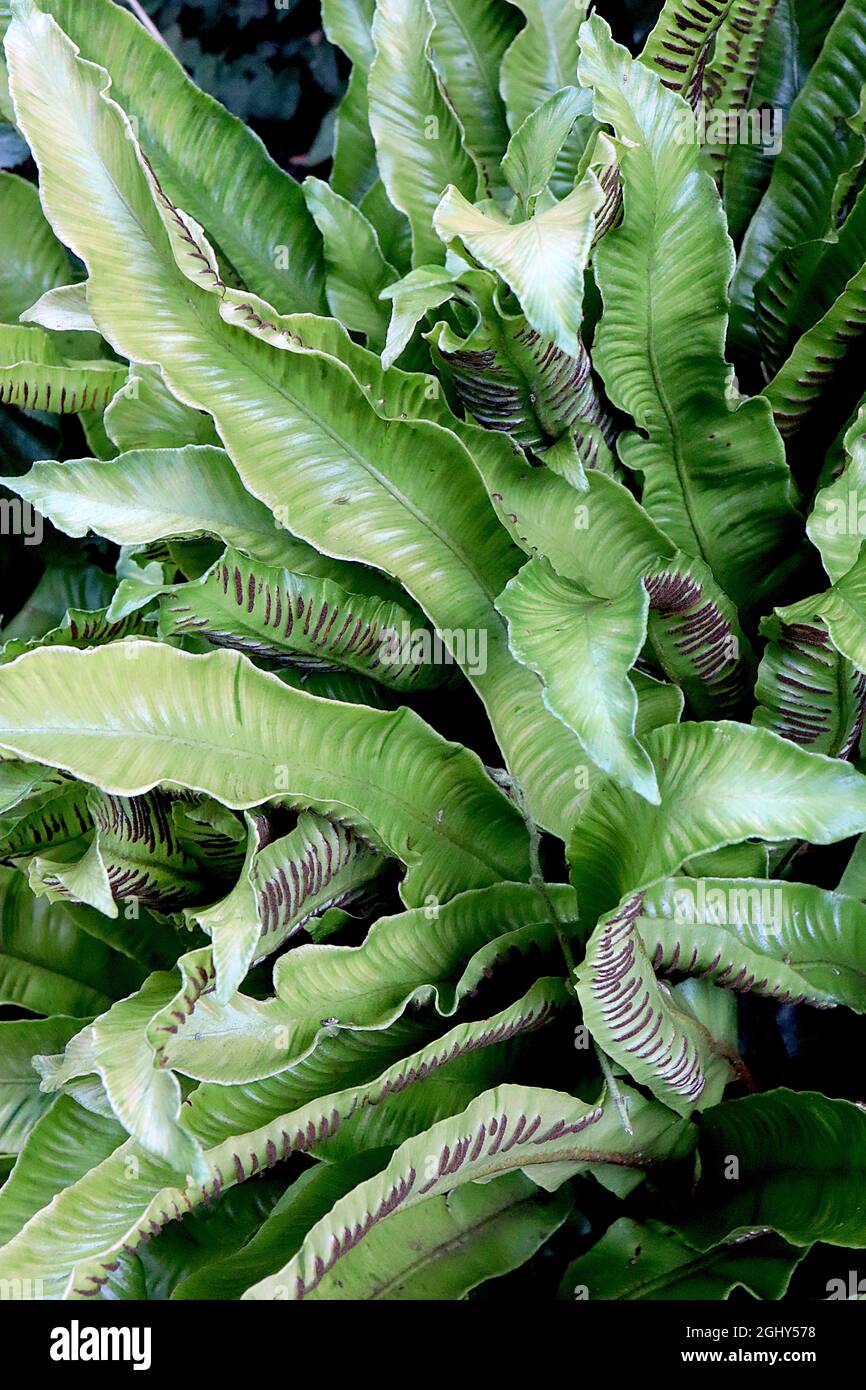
583	647
356	271
419	141
533	149
254	210
640	1022
21	1102
445	1248
150	494
720	784
512	1127
145	415
37	374
64	1144
218	725
304	1202
543	259
284	882
543	58
48	964
469	41
785	941
837	523
292	418
422	289
365	987
290	618
63	309
676	384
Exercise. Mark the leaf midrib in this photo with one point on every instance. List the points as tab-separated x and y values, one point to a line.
166	262
481	68
451	1244
230	752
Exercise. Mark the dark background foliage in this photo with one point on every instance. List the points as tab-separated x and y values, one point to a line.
272	67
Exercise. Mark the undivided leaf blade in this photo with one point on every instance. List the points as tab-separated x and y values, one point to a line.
741	524
640	1024
419	141
543	259
509	1128
469	42
218	725
801	1163
284	882
353	487
648	1262
228	181
447	1247
583	648
34	260
720	784
787	941
288	617
819	147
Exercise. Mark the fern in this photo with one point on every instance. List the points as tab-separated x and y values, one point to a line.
426	737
